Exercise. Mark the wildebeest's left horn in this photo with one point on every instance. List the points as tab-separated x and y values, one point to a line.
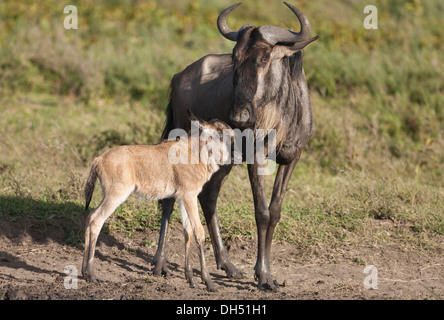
222	23
273	34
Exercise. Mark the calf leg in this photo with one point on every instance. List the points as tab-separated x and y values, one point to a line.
190	206
159	260
208	199
94	224
188	235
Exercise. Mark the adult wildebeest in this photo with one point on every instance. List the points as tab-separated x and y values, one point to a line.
260	85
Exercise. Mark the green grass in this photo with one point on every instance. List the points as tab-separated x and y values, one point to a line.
371	175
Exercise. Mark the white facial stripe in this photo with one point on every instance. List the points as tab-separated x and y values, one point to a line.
262	86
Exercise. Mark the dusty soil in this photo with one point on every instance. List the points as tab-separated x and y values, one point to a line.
33	258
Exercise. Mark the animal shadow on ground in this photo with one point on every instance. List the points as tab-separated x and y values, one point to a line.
26	221
28	225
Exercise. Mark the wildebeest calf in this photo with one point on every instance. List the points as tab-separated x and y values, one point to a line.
148	171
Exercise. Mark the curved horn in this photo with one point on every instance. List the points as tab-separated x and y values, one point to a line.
273	34
222	23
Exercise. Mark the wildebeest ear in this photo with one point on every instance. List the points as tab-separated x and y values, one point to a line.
280	51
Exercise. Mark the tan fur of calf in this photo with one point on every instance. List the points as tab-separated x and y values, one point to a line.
147	171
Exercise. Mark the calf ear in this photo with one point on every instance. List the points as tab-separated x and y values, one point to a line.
193	117
201	123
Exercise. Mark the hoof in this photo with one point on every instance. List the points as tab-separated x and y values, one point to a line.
89	276
266	282
190	279
211	287
192	283
268	286
160	268
90	279
231	271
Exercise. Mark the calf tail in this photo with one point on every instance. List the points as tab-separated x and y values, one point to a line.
90	184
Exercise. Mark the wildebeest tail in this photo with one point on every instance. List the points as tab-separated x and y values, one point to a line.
169	125
90	184
169	122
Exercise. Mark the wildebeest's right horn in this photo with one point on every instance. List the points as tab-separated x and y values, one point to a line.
222	23
274	34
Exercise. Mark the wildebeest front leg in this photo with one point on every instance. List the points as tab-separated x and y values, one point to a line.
279	189
268	217
262	216
208	200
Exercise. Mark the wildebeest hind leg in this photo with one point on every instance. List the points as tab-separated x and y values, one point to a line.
159	260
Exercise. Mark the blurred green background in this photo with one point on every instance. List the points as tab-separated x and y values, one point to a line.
377	96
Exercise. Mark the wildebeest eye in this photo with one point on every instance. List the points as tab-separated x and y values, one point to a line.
265	58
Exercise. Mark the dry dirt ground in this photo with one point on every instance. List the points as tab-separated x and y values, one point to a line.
32	265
